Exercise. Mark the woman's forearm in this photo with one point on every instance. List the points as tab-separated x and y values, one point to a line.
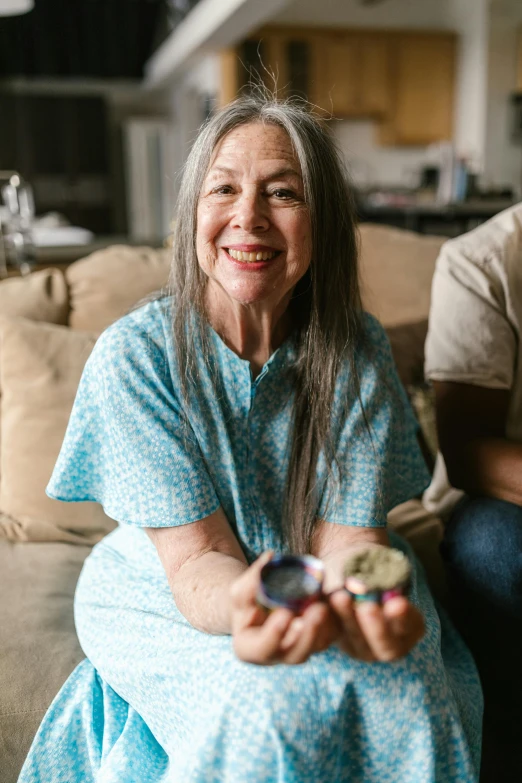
488	466
201	590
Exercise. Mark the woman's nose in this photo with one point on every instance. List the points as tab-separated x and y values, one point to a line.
250	213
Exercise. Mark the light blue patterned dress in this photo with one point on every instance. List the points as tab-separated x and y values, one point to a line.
162	702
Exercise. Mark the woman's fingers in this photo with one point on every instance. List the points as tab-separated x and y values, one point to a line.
285	638
404	620
353	641
262	643
390	632
312	632
372	622
377	633
244	589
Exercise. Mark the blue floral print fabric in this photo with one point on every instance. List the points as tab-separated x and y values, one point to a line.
157	700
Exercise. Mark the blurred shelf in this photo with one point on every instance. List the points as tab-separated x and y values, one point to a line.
66	254
432	218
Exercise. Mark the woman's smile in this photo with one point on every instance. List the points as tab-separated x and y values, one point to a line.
249	254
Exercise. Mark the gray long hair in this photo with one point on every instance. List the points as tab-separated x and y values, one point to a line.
325	304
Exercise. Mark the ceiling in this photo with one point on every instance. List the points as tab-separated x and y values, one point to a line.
85	38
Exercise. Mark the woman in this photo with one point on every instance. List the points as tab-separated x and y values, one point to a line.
254	410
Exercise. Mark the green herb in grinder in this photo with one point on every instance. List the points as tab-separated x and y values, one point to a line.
377	573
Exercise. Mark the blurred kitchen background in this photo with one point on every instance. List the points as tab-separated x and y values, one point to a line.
100	101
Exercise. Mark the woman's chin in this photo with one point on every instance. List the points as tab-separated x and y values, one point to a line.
249	294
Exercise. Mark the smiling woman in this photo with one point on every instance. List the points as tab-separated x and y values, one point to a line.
255	410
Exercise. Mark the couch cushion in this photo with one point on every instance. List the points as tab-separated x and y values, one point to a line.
40	368
41	296
424	532
396	271
38	643
407	344
105	285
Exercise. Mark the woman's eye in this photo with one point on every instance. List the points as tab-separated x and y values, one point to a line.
223	190
282	193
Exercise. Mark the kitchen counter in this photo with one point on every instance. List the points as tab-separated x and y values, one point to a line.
66	254
430	217
63	255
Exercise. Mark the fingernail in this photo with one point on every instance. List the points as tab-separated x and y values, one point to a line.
282	621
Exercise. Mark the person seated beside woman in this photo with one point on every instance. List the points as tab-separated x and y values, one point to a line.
474	360
252	410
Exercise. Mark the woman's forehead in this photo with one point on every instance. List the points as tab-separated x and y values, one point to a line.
255	142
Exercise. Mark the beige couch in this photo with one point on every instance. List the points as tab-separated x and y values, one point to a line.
48	325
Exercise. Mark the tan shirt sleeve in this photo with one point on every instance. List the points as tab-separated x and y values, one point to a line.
470	339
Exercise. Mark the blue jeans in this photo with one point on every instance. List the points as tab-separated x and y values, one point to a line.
482	551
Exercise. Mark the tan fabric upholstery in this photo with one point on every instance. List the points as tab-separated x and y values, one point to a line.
41	296
106	284
396	271
424	532
38	644
40	368
407	344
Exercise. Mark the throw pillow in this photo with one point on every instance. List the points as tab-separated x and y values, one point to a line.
41	296
422	398
40	368
407	345
396	271
107	284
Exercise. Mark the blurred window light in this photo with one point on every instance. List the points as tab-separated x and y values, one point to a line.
15	7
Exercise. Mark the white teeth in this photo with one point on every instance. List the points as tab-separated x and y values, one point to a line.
240	255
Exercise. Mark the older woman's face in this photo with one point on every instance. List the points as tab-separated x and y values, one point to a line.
253	227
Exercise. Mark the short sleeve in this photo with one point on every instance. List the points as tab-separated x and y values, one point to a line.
470	339
128	445
379	462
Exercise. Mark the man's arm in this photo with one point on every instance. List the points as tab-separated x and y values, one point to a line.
471	425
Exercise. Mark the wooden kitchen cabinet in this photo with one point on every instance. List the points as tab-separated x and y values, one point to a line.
346	74
405	81
354	74
282	59
423	77
519	61
338	74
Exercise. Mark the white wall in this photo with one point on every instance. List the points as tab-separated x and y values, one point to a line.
187	108
503	157
372	165
471	19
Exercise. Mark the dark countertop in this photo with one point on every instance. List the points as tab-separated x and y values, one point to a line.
430	216
476	207
66	254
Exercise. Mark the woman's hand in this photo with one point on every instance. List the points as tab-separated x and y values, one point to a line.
279	636
372	632
364	630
